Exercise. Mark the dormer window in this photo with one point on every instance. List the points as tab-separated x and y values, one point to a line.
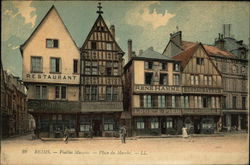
148	65
51	43
199	61
176	67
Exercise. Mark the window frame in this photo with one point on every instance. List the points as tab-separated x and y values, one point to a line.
53	40
41	64
60	92
59	67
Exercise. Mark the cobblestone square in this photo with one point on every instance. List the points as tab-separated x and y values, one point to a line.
228	149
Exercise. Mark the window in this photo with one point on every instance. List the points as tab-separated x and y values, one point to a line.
109	46
199	61
60	92
94	71
148	78
196	80
173	102
164	66
93	45
148	65
205	80
85	127
161	101
169	123
87	71
186	102
234	102
36	64
209	80
109	93
91	93
205	102
147	101
140	125
41	92
176	67
115	72
51	43
75	66
244	102
195	102
192	79
154	123
108	126
163	79
176	79
109	68
213	102
55	65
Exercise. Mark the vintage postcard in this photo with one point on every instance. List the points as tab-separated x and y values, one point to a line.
124	82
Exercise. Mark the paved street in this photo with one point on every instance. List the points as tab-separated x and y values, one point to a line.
230	149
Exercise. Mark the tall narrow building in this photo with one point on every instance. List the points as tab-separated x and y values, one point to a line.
100	81
51	73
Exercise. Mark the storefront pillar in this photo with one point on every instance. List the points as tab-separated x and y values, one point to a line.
239	122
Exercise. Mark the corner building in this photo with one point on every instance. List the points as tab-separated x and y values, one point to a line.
152	93
51	74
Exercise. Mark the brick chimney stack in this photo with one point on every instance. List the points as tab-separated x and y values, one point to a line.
129	49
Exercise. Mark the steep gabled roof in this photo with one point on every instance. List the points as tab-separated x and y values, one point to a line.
39	25
184	56
171	41
100	18
211	50
151	54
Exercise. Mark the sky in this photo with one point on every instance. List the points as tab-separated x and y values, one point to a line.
147	23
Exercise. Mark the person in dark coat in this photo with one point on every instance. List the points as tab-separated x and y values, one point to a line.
123	133
66	135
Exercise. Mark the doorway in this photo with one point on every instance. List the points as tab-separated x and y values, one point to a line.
96	127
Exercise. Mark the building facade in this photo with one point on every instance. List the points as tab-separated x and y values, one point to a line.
232	66
14	115
101	81
51	73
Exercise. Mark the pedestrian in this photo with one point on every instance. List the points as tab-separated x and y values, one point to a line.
91	132
66	135
184	132
124	134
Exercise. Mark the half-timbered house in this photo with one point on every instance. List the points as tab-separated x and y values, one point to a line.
100	81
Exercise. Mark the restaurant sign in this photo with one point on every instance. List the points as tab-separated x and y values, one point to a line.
156	88
51	78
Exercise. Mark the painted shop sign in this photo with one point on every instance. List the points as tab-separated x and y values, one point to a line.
156	88
54	78
164	112
159	112
201	90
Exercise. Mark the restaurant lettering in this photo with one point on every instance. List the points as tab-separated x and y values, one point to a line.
156	88
60	78
50	76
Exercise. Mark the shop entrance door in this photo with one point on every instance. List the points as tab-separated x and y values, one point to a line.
96	127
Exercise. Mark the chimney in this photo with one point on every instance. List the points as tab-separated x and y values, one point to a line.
129	49
140	52
176	37
112	29
219	42
226	30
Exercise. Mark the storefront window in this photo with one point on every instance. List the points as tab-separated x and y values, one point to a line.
108	126
140	125
85	127
154	123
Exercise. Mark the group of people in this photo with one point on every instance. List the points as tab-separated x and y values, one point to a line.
122	132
